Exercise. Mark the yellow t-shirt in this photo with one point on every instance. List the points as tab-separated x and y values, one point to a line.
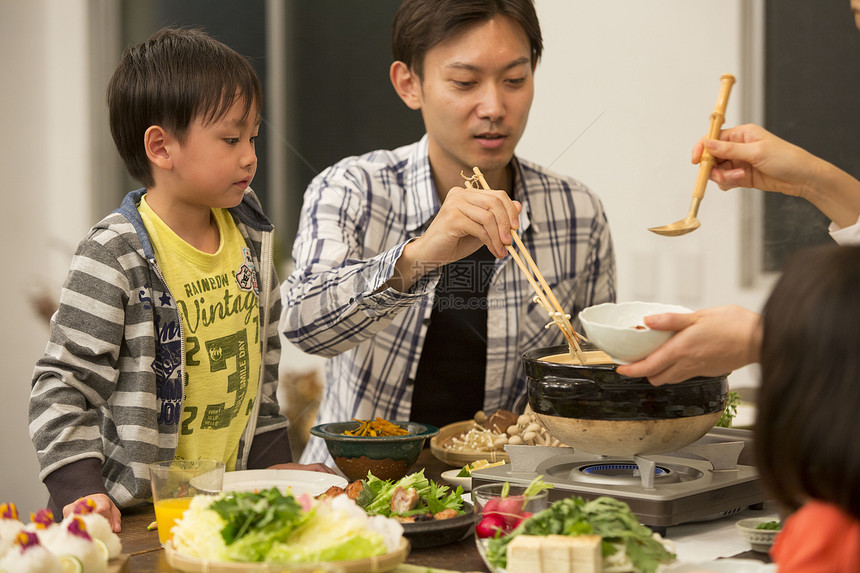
217	297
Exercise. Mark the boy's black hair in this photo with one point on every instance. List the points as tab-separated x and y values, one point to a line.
808	406
170	80
419	25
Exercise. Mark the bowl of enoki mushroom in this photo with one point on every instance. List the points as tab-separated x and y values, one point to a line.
386	449
593	408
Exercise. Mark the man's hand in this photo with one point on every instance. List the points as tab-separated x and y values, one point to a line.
467	219
708	342
104	506
306	467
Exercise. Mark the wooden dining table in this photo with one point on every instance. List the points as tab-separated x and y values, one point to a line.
145	554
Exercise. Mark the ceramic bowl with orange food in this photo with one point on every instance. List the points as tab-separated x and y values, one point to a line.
386	457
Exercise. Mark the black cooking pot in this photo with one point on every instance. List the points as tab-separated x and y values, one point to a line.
596	409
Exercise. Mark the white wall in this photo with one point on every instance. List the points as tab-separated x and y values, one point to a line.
44	162
634	84
650	68
650	71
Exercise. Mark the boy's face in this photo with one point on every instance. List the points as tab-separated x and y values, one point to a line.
217	161
475	96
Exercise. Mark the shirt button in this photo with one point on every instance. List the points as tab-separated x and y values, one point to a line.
410	382
426	322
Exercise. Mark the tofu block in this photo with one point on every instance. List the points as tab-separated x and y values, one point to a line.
555	554
524	554
586	553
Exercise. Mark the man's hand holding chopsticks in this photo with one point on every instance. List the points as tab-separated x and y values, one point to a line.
467	219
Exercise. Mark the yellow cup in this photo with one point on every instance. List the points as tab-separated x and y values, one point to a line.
174	483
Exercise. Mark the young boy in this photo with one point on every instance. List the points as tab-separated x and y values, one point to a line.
165	344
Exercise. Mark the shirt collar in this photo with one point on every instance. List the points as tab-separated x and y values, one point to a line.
521	194
422	200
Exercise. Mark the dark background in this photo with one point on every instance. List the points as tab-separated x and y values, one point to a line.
812	99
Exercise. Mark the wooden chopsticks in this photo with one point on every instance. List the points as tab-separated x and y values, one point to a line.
543	293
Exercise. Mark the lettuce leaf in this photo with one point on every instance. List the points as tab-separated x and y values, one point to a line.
376	495
255	521
334	532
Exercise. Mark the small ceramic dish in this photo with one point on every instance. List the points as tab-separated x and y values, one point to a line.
759	539
452	478
619	328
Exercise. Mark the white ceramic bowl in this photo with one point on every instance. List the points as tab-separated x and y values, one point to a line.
759	539
452	478
619	330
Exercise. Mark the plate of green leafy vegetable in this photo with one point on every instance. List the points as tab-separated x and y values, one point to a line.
432	514
627	545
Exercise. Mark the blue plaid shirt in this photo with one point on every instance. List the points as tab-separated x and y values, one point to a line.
356	218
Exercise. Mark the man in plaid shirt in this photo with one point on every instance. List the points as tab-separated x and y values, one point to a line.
402	275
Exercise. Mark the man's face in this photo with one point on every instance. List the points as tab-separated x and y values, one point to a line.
475	96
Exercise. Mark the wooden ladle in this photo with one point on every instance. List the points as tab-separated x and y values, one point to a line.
690	222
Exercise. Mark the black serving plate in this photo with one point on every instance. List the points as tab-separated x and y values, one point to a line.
423	534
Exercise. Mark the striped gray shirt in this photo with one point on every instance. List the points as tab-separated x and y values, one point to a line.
117	347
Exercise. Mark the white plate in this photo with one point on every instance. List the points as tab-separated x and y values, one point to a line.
296	481
450	476
722	566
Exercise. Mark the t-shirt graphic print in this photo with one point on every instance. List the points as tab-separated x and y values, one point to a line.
217	296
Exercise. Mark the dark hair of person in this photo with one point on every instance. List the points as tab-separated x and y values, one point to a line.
175	77
808	406
419	25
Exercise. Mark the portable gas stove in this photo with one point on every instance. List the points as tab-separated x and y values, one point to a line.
699	482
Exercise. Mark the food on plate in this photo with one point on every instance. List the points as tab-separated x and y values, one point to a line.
467	470
97	526
378	428
626	545
498	421
25	554
273	527
411	498
556	553
76	544
10	526
500	515
769	525
490	435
